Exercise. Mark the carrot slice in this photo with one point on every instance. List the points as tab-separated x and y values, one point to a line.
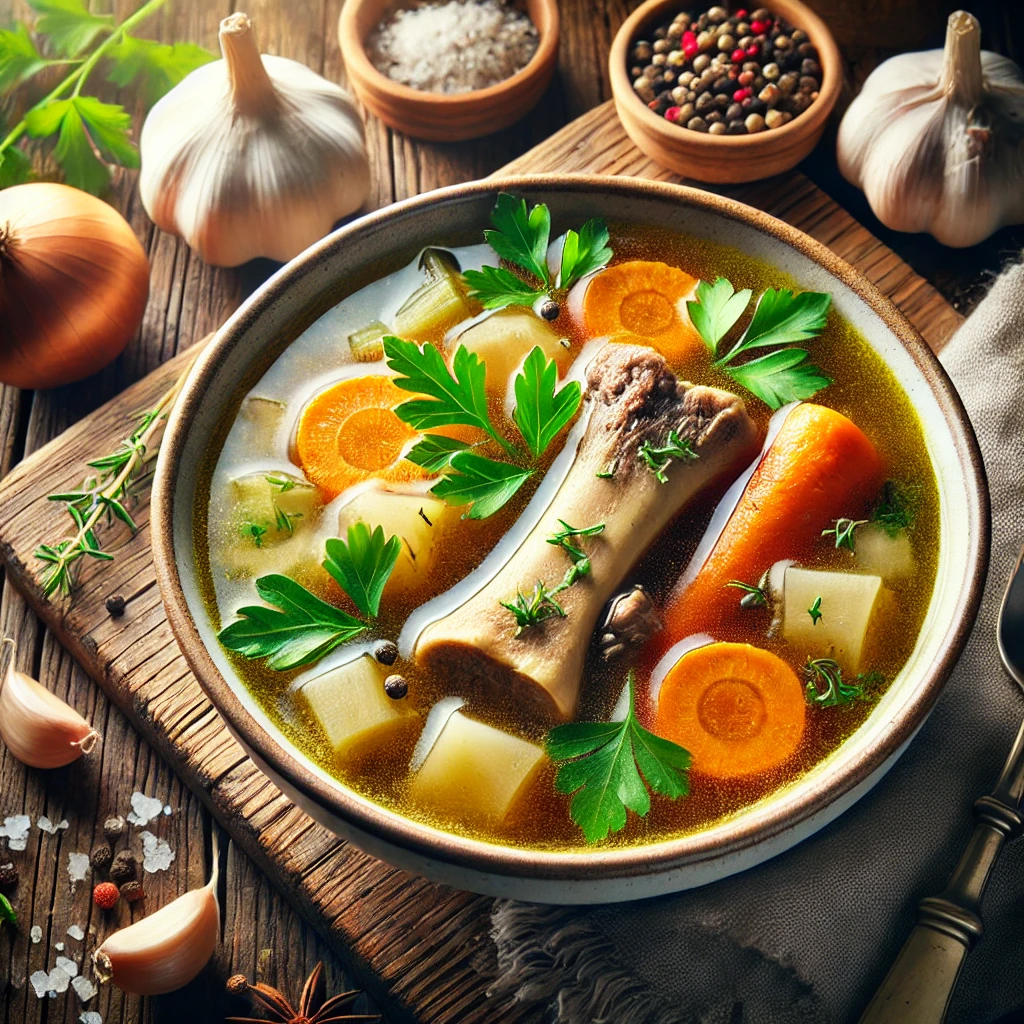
820	466
349	433
739	710
643	303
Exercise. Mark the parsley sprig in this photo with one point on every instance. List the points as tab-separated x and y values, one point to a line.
301	628
827	689
780	318
520	236
605	766
897	507
90	134
458	397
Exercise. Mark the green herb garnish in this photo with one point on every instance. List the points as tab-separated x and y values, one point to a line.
254	532
815	610
485	484
283	520
842	530
780	318
7	911
542	411
434	452
605	765
897	507
521	236
363	565
658	458
563	538
298	630
536	607
825	686
753	597
609	473
280	483
89	133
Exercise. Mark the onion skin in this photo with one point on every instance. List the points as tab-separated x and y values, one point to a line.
74	281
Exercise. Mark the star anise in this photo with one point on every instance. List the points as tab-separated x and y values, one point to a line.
313	1009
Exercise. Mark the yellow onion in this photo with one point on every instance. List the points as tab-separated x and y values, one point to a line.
73	284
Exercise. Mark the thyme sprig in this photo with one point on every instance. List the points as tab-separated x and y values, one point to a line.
753	596
657	458
102	496
827	689
842	530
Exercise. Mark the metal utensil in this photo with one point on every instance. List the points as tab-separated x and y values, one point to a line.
919	984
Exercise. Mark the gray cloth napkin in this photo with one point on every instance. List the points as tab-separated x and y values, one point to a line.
808	936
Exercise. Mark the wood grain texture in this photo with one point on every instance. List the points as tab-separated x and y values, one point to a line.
424	951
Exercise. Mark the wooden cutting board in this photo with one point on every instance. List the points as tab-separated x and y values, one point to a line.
422	950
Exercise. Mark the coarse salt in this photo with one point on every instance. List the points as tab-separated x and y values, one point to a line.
91	1017
453	46
36	934
144	809
156	853
83	987
76	932
45	825
78	867
16	829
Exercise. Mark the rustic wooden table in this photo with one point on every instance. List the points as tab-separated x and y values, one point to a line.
263	936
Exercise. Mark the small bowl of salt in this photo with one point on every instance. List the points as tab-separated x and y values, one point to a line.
447	70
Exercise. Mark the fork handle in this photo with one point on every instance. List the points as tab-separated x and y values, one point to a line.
919	984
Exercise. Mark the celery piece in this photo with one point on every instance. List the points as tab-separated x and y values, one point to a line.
438	303
367	343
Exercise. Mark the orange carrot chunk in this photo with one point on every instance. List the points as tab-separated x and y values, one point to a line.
644	303
349	433
737	709
820	466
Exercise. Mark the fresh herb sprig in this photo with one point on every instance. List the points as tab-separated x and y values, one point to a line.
90	134
897	507
658	457
458	397
520	236
102	496
605	766
843	531
753	596
815	611
780	318
7	912
826	687
301	628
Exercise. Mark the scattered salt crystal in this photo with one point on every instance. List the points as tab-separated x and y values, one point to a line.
75	931
69	967
36	934
83	987
45	825
40	982
78	867
156	853
167	810
91	1017
16	829
59	946
60	979
144	809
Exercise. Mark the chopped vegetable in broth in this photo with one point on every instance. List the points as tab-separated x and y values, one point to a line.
652	529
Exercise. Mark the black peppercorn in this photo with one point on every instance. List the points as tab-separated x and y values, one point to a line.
124	868
113	828
115	605
133	892
237	985
101	858
396	687
385	652
8	876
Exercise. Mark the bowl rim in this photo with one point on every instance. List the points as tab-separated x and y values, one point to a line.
732	836
675	137
360	67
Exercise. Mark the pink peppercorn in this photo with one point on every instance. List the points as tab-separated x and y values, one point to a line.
737	55
741	94
740	15
672	114
757	27
689	36
753	50
690	48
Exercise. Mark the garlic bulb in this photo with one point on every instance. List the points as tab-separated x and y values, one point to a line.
36	726
252	155
166	950
936	139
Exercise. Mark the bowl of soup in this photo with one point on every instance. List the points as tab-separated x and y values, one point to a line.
570	538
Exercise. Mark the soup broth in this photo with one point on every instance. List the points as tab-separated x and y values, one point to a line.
276	501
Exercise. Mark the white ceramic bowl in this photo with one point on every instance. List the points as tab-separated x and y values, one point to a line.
347	259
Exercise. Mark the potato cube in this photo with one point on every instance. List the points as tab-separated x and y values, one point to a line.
280	502
851	607
262	418
351	706
505	339
474	771
418	519
879	552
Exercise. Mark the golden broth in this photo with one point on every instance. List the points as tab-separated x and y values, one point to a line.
864	390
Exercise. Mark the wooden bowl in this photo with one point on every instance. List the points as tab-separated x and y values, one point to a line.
440	117
723	158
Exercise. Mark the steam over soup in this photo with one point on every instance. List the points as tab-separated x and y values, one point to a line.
571	542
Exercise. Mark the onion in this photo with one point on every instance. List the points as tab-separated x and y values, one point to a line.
73	284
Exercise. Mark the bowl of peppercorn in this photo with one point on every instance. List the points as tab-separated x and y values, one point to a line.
725	96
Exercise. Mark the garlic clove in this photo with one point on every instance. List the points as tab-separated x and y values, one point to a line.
166	950
38	728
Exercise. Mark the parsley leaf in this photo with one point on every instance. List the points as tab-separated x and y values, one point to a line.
481	482
299	630
897	507
815	611
716	309
521	237
495	287
454	399
160	66
780	377
605	765
781	317
540	411
434	452
15	167
363	566
19	58
585	252
69	24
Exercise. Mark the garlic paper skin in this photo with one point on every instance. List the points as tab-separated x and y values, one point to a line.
36	726
252	155
165	950
936	139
